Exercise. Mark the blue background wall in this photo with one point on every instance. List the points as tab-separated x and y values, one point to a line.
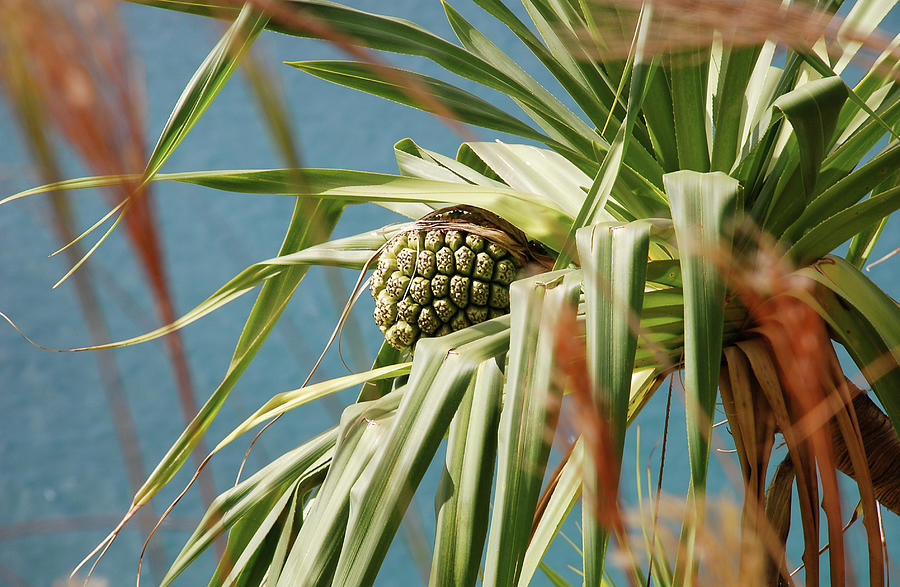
62	482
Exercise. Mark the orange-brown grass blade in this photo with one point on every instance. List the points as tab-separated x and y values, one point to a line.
298	20
24	96
78	59
590	421
681	25
718	539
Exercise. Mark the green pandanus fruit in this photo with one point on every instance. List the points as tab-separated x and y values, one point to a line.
450	271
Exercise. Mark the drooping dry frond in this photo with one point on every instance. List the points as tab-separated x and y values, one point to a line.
793	367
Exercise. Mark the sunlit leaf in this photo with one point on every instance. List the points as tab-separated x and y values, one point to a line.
702	209
530	401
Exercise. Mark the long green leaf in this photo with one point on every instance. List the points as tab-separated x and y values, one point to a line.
416	161
564	497
385	489
845	192
607	175
374	389
552	115
305	462
363	430
464	495
879	83
528	416
534	170
863	242
565	28
569	486
288	534
825	70
594	98
759	95
245	563
657	112
689	77
395	35
290	400
313	220
268	560
206	83
352	252
734	77
702	208
539	217
593	208
536	216
614	259
465	106
859	137
828	235
812	110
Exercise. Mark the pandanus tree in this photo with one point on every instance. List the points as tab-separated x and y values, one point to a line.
676	211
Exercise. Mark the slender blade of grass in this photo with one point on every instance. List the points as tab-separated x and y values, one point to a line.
306	462
538	217
829	234
290	400
312	221
467	107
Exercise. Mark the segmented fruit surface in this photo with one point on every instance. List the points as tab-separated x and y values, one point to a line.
430	282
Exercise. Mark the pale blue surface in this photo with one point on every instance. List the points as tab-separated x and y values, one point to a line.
58	453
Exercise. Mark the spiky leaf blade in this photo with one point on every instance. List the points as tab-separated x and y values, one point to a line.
385	489
312	222
703	205
206	83
529	412
464	494
614	259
